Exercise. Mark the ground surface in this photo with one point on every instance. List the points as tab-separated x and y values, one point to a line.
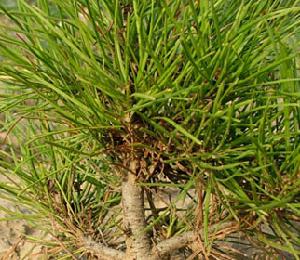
12	234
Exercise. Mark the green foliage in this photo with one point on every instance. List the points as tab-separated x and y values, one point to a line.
199	91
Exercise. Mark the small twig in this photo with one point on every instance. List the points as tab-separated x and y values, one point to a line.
151	203
13	249
10	129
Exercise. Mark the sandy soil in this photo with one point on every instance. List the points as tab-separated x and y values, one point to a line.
13	243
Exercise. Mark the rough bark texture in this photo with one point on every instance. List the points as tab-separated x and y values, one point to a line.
138	243
98	249
168	246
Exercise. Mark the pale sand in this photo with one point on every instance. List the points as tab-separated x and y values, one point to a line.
13	243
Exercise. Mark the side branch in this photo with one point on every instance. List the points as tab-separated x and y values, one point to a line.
177	242
99	249
167	246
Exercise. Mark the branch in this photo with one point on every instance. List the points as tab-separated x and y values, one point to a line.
174	243
99	249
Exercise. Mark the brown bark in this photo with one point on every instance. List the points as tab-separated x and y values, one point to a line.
168	246
98	249
137	241
174	243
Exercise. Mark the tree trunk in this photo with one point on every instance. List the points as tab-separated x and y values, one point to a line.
137	241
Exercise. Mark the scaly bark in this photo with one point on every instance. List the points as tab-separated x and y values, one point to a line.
137	241
174	243
105	252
